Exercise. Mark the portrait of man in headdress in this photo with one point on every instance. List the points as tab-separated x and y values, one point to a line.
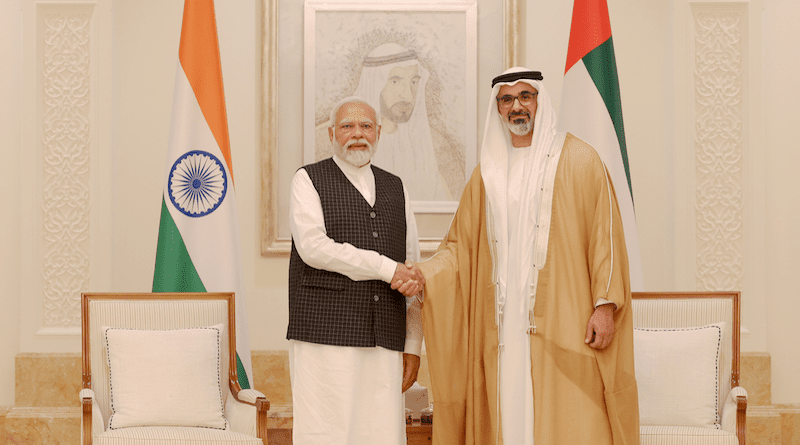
413	80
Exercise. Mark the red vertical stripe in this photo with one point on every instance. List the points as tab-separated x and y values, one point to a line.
199	56
590	28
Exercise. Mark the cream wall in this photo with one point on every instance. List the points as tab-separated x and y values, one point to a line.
143	35
641	33
781	152
10	273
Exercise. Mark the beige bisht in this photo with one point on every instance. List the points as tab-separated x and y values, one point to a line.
581	395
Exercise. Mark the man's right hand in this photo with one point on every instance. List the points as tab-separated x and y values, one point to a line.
408	279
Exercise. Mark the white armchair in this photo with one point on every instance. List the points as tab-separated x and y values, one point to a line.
687	368
161	368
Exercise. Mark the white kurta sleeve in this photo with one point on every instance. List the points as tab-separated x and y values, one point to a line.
307	224
601	301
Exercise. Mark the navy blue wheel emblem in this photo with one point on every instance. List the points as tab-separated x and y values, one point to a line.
197	183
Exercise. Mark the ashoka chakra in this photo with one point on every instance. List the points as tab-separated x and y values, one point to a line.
197	183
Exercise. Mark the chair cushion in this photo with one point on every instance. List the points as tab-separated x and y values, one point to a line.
173	436
677	372
165	377
682	435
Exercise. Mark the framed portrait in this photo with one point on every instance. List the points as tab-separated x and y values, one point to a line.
416	62
416	65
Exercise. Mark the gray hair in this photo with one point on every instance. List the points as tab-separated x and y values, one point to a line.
348	100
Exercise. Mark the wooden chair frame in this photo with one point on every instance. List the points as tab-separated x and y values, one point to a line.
261	404
741	401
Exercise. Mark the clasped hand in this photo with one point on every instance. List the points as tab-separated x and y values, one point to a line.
408	279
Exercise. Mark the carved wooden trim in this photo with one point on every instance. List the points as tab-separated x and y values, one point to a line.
86	378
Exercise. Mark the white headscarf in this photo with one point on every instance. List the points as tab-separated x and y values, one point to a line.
518	261
545	146
409	151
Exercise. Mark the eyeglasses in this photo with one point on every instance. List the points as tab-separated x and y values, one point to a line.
525	98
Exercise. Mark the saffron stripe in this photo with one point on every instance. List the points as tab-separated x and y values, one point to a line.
199	57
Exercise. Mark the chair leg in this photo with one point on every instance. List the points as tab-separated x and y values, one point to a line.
741	418
86	420
262	407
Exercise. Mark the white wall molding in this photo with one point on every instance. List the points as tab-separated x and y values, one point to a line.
719	41
65	166
66	135
719	191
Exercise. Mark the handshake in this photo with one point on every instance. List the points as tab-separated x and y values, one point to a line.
408	279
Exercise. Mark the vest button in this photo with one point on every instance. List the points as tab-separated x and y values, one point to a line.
376	298
373	214
375	234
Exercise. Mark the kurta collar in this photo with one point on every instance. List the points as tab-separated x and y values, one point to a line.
362	178
351	169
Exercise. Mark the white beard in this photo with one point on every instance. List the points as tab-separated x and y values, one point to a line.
358	158
520	129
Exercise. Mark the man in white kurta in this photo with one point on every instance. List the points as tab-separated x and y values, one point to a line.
346	394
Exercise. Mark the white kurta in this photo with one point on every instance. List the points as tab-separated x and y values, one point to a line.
347	395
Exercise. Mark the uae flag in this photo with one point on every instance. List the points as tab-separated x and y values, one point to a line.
198	238
591	109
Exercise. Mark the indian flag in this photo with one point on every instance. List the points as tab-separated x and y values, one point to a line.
591	109
198	238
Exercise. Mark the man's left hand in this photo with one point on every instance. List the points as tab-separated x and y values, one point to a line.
600	329
410	369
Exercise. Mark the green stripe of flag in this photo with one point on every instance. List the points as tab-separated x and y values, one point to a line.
241	373
174	271
602	67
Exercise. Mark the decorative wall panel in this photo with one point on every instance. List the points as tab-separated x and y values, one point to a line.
65	65
718	139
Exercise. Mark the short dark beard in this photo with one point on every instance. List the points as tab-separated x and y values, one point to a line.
518	129
518	113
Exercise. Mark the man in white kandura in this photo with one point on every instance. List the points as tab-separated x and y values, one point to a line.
528	322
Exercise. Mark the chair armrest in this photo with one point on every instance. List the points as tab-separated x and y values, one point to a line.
92	423
250	396
247	413
734	411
